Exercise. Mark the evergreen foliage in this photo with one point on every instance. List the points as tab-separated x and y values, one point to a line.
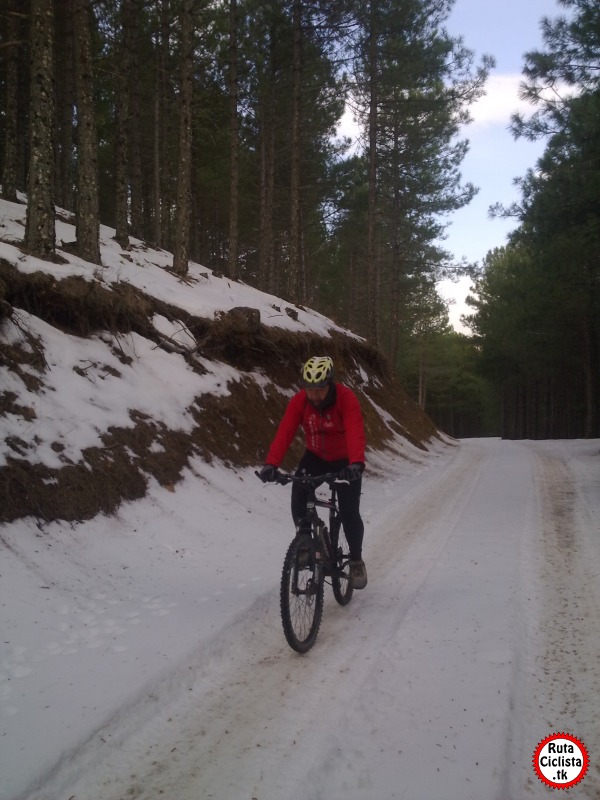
538	305
209	129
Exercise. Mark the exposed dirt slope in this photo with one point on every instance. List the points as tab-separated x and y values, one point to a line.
235	428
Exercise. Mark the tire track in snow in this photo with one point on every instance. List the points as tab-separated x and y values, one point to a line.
457	651
244	717
566	636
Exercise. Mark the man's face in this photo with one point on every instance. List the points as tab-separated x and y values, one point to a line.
317	396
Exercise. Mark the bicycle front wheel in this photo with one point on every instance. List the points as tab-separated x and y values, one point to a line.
341	581
301	597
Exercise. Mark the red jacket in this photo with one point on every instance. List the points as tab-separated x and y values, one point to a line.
334	433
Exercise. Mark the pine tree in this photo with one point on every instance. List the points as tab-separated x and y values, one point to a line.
412	92
9	171
539	314
184	173
570	61
127	11
234	149
87	218
65	101
40	236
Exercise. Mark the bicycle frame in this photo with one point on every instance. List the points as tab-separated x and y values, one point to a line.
321	533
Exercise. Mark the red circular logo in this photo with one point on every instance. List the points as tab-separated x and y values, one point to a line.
561	760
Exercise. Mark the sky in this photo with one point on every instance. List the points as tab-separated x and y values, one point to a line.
506	30
142	654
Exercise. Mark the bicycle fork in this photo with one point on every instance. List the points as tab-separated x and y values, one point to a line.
308	560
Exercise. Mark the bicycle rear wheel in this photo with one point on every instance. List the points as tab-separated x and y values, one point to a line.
301	595
341	582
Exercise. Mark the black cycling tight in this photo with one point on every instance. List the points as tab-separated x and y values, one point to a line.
348	496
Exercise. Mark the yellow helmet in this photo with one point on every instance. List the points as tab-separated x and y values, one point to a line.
317	372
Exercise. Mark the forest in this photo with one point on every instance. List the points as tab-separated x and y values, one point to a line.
537	300
212	130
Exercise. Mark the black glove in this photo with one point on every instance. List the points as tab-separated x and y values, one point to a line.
268	473
352	472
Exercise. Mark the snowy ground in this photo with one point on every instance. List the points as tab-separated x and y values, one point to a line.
142	656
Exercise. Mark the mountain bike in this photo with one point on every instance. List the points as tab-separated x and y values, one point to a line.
316	553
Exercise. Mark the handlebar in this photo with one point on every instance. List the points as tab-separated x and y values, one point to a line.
284	478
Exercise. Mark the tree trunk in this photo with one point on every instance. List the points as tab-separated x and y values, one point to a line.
136	178
372	256
184	174
588	382
266	266
157	238
234	178
352	290
65	105
161	218
422	380
9	170
122	127
396	265
394	332
294	278
40	236
87	222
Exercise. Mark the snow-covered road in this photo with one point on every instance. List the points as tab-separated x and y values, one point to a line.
477	636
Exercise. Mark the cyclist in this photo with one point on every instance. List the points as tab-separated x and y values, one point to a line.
330	416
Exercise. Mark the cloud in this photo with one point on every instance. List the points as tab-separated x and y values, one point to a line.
494	108
500	101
